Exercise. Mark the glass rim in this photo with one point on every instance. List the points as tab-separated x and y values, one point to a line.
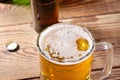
85	57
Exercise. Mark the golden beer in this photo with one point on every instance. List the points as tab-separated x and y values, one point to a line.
66	53
51	71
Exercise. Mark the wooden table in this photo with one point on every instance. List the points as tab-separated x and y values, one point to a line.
101	17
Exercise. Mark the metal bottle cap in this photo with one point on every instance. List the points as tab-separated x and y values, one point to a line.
12	46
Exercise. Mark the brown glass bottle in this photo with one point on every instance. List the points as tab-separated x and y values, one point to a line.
45	13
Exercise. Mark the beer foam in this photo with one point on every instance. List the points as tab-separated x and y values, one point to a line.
58	43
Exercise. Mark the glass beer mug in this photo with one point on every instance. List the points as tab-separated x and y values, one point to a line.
66	53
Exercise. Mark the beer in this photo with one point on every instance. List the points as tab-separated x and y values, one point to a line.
52	71
45	13
66	53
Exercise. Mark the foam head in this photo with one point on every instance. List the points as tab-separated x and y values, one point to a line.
65	43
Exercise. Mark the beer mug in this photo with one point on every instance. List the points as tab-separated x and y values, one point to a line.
66	53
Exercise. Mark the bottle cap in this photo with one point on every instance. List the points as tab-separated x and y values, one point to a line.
12	46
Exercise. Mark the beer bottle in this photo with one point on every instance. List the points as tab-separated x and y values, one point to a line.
45	13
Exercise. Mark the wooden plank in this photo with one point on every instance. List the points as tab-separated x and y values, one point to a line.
13	14
96	7
24	63
101	26
101	18
21	14
115	75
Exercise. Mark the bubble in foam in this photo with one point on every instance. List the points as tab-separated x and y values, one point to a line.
65	42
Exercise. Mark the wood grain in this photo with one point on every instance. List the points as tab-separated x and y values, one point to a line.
25	62
101	26
75	9
19	14
101	17
113	76
95	7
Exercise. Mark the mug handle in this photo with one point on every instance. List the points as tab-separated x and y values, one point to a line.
108	48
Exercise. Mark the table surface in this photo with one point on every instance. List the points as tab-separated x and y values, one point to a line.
101	17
